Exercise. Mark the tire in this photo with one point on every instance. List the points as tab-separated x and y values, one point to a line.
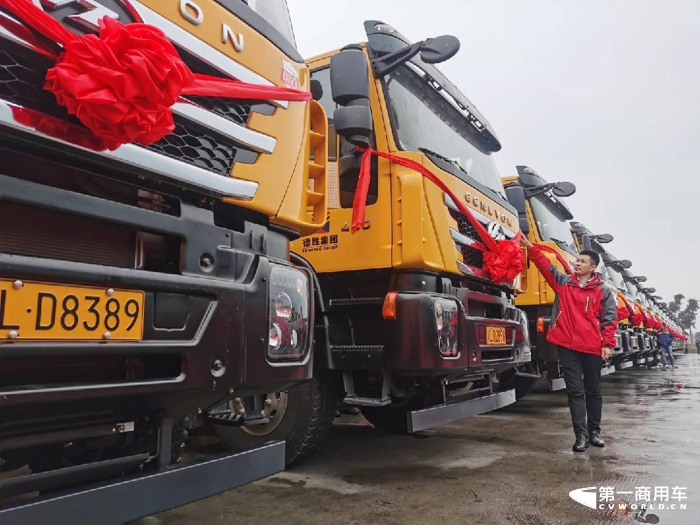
522	385
305	424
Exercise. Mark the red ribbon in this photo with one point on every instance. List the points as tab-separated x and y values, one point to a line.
503	260
122	84
559	256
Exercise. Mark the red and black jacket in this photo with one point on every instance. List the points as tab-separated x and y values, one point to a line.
584	318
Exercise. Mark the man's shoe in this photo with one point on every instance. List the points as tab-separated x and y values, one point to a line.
596	440
675	366
581	444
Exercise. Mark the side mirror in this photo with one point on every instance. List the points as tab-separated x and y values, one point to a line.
625	264
350	87
524	225
516	196
354	124
439	49
349	76
604	238
564	189
641	279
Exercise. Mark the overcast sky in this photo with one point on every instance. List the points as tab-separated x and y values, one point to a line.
603	93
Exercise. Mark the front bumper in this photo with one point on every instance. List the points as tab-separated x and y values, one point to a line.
192	320
414	338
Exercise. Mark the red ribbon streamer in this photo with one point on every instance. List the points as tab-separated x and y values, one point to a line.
504	260
122	84
558	255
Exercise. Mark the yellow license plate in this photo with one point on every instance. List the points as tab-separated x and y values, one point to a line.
495	335
38	311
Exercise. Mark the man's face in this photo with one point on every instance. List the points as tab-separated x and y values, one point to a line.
584	265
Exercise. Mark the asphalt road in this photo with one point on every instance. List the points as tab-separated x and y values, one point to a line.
514	466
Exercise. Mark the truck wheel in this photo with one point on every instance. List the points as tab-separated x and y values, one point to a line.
301	417
522	385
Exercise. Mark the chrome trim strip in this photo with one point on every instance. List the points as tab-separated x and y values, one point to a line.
165	167
464	268
483	219
460	238
243	136
203	51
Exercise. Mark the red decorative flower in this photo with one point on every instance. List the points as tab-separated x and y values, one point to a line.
622	313
122	84
505	266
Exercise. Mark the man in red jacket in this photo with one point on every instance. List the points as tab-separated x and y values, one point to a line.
584	321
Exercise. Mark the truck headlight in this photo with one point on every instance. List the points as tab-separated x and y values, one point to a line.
288	331
446	325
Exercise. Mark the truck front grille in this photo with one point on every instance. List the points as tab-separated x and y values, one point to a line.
22	79
471	256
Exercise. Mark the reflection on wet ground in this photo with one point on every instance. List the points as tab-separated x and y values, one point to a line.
514	466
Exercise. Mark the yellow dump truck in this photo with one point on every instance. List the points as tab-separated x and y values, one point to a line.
144	290
410	328
544	216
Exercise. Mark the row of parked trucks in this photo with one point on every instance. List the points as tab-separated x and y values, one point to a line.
212	281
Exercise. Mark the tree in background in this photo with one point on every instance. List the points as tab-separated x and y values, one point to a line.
688	316
675	306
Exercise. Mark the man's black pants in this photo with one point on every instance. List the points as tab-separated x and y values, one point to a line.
582	377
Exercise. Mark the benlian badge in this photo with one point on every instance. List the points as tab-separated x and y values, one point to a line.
290	76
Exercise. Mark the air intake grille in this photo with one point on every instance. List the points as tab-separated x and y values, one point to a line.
471	257
22	78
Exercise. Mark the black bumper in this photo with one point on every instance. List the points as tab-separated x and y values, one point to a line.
412	340
192	319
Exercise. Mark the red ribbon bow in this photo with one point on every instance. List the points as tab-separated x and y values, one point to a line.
122	84
503	260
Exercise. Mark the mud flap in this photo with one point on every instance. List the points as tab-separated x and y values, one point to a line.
443	414
557	384
607	370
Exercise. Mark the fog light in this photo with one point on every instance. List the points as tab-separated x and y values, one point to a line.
447	327
289	306
275	337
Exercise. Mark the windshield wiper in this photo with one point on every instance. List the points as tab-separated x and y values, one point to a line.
560	242
446	159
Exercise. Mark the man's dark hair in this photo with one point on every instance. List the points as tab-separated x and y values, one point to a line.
595	258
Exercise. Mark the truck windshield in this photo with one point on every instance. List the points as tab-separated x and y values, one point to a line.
276	13
551	224
425	119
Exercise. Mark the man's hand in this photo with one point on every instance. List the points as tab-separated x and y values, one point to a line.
524	241
606	353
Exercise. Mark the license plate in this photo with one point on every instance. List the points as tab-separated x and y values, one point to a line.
38	311
495	335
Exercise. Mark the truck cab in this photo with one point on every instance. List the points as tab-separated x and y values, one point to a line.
144	286
411	329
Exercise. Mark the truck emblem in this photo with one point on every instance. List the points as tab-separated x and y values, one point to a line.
496	231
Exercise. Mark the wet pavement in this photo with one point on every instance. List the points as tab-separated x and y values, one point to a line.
514	466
